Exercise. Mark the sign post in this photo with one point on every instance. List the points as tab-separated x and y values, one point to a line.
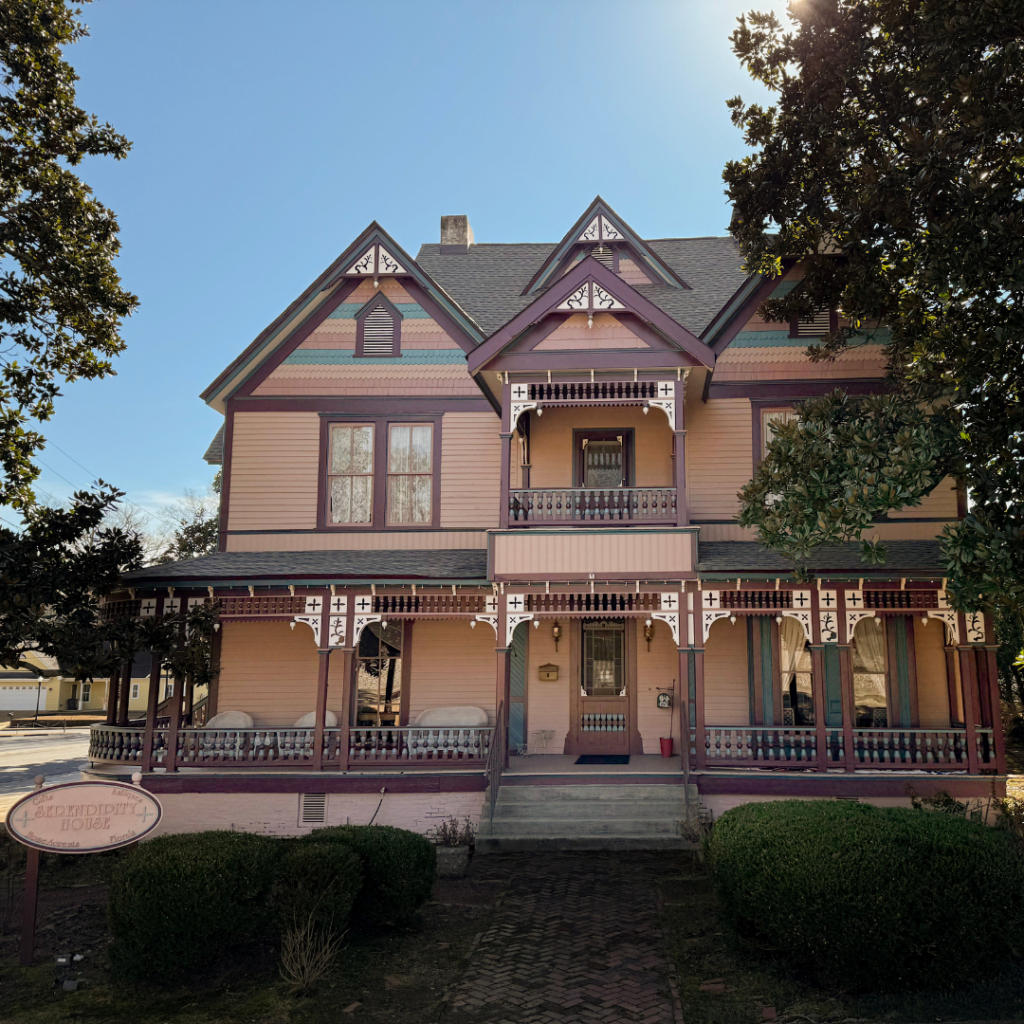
76	817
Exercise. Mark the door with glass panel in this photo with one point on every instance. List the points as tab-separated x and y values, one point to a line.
603	725
379	675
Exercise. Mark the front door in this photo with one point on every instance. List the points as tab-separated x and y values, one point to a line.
603	725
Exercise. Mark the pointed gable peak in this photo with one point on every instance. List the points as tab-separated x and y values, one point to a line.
603	234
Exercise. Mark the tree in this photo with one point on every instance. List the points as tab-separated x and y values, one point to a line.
61	301
195	519
892	166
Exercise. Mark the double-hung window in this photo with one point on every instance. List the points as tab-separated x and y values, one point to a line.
350	473
410	474
772	419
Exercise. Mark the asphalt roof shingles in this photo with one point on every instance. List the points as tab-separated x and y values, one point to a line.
749	556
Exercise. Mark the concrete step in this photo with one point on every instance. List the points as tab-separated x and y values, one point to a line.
624	794
567	810
582	827
547	844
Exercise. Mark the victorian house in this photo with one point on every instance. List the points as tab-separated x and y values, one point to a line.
478	538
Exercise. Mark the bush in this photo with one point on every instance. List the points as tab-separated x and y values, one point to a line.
398	870
178	900
318	883
868	898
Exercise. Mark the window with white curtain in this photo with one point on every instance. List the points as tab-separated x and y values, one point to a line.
411	473
797	693
870	696
350	473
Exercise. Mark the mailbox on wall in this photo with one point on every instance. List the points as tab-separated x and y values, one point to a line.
548	673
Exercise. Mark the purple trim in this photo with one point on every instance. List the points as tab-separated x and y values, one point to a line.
601	359
782	391
225	478
601	577
381	439
614	285
362	407
380	299
760	782
319	782
743	314
297	337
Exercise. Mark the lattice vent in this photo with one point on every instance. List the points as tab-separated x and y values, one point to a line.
378	333
818	325
604	255
312	808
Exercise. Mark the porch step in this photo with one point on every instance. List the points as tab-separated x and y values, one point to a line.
586	817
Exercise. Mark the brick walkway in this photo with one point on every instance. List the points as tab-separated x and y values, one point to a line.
575	940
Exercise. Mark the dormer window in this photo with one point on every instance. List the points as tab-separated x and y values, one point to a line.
378	329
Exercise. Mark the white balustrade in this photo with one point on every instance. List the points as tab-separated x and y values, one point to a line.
411	743
592	504
783	744
913	748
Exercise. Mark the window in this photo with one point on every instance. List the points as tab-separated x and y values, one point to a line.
86	692
603	458
870	697
797	693
410	473
379	674
350	474
135	691
378	329
770	420
603	643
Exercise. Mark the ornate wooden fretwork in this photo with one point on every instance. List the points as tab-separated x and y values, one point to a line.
580	604
901	599
590	297
396	605
375	262
251	607
589	391
600	229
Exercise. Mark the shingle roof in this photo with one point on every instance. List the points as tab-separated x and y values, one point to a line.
487	281
456	565
904	556
215	453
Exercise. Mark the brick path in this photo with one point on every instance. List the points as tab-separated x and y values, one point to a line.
575	940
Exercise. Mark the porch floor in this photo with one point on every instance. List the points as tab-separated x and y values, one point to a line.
565	764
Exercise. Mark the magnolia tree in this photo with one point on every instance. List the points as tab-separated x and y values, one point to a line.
891	164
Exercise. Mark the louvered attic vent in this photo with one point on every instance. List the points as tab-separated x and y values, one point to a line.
312	808
603	254
818	325
378	332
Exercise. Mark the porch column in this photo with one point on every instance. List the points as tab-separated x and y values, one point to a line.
211	690
175	724
818	696
679	451
125	694
700	729
151	703
112	686
967	689
506	454
323	674
685	672
951	689
345	718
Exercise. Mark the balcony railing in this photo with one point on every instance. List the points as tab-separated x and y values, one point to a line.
555	505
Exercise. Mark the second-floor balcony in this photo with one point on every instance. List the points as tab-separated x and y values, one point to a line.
650	506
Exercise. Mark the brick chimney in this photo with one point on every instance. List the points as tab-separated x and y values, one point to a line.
456	234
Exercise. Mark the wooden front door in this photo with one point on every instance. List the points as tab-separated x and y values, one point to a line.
603	716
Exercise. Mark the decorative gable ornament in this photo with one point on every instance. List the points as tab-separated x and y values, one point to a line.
589	298
375	262
600	229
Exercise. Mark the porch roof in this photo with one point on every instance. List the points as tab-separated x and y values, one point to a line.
460	565
905	558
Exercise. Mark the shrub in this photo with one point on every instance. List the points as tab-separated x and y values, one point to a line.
178	900
866	897
318	882
398	870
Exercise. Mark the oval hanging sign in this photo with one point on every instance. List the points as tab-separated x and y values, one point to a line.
83	817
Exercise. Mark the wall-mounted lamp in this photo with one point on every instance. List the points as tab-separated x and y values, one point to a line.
648	632
536	623
924	619
778	619
556	633
732	620
472	624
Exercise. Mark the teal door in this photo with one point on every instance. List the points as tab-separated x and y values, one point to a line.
517	689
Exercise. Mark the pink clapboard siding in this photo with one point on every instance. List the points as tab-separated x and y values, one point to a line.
788	363
941	503
726	687
656	669
433	540
452	664
470	470
547	704
443	380
719	455
632	274
932	691
274	471
574	554
269	671
607	332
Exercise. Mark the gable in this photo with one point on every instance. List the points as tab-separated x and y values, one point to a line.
603	331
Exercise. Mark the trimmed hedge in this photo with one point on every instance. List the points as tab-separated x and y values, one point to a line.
398	870
178	900
869	898
318	879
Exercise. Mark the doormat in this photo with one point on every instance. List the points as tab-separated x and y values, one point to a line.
603	759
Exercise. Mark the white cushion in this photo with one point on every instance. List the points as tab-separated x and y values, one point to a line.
309	721
230	720
456	715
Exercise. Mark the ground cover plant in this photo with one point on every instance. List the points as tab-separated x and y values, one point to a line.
867	898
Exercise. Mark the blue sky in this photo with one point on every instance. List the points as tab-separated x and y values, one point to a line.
267	135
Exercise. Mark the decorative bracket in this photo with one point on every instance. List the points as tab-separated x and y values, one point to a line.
669	601
949	620
516	409
804	618
336	631
361	622
313	621
672	620
829	623
853	617
511	621
975	628
491	620
708	620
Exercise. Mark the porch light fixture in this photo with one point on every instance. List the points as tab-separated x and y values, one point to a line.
732	620
536	623
556	633
472	623
648	632
778	619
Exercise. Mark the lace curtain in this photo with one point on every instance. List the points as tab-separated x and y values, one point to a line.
869	664
791	633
